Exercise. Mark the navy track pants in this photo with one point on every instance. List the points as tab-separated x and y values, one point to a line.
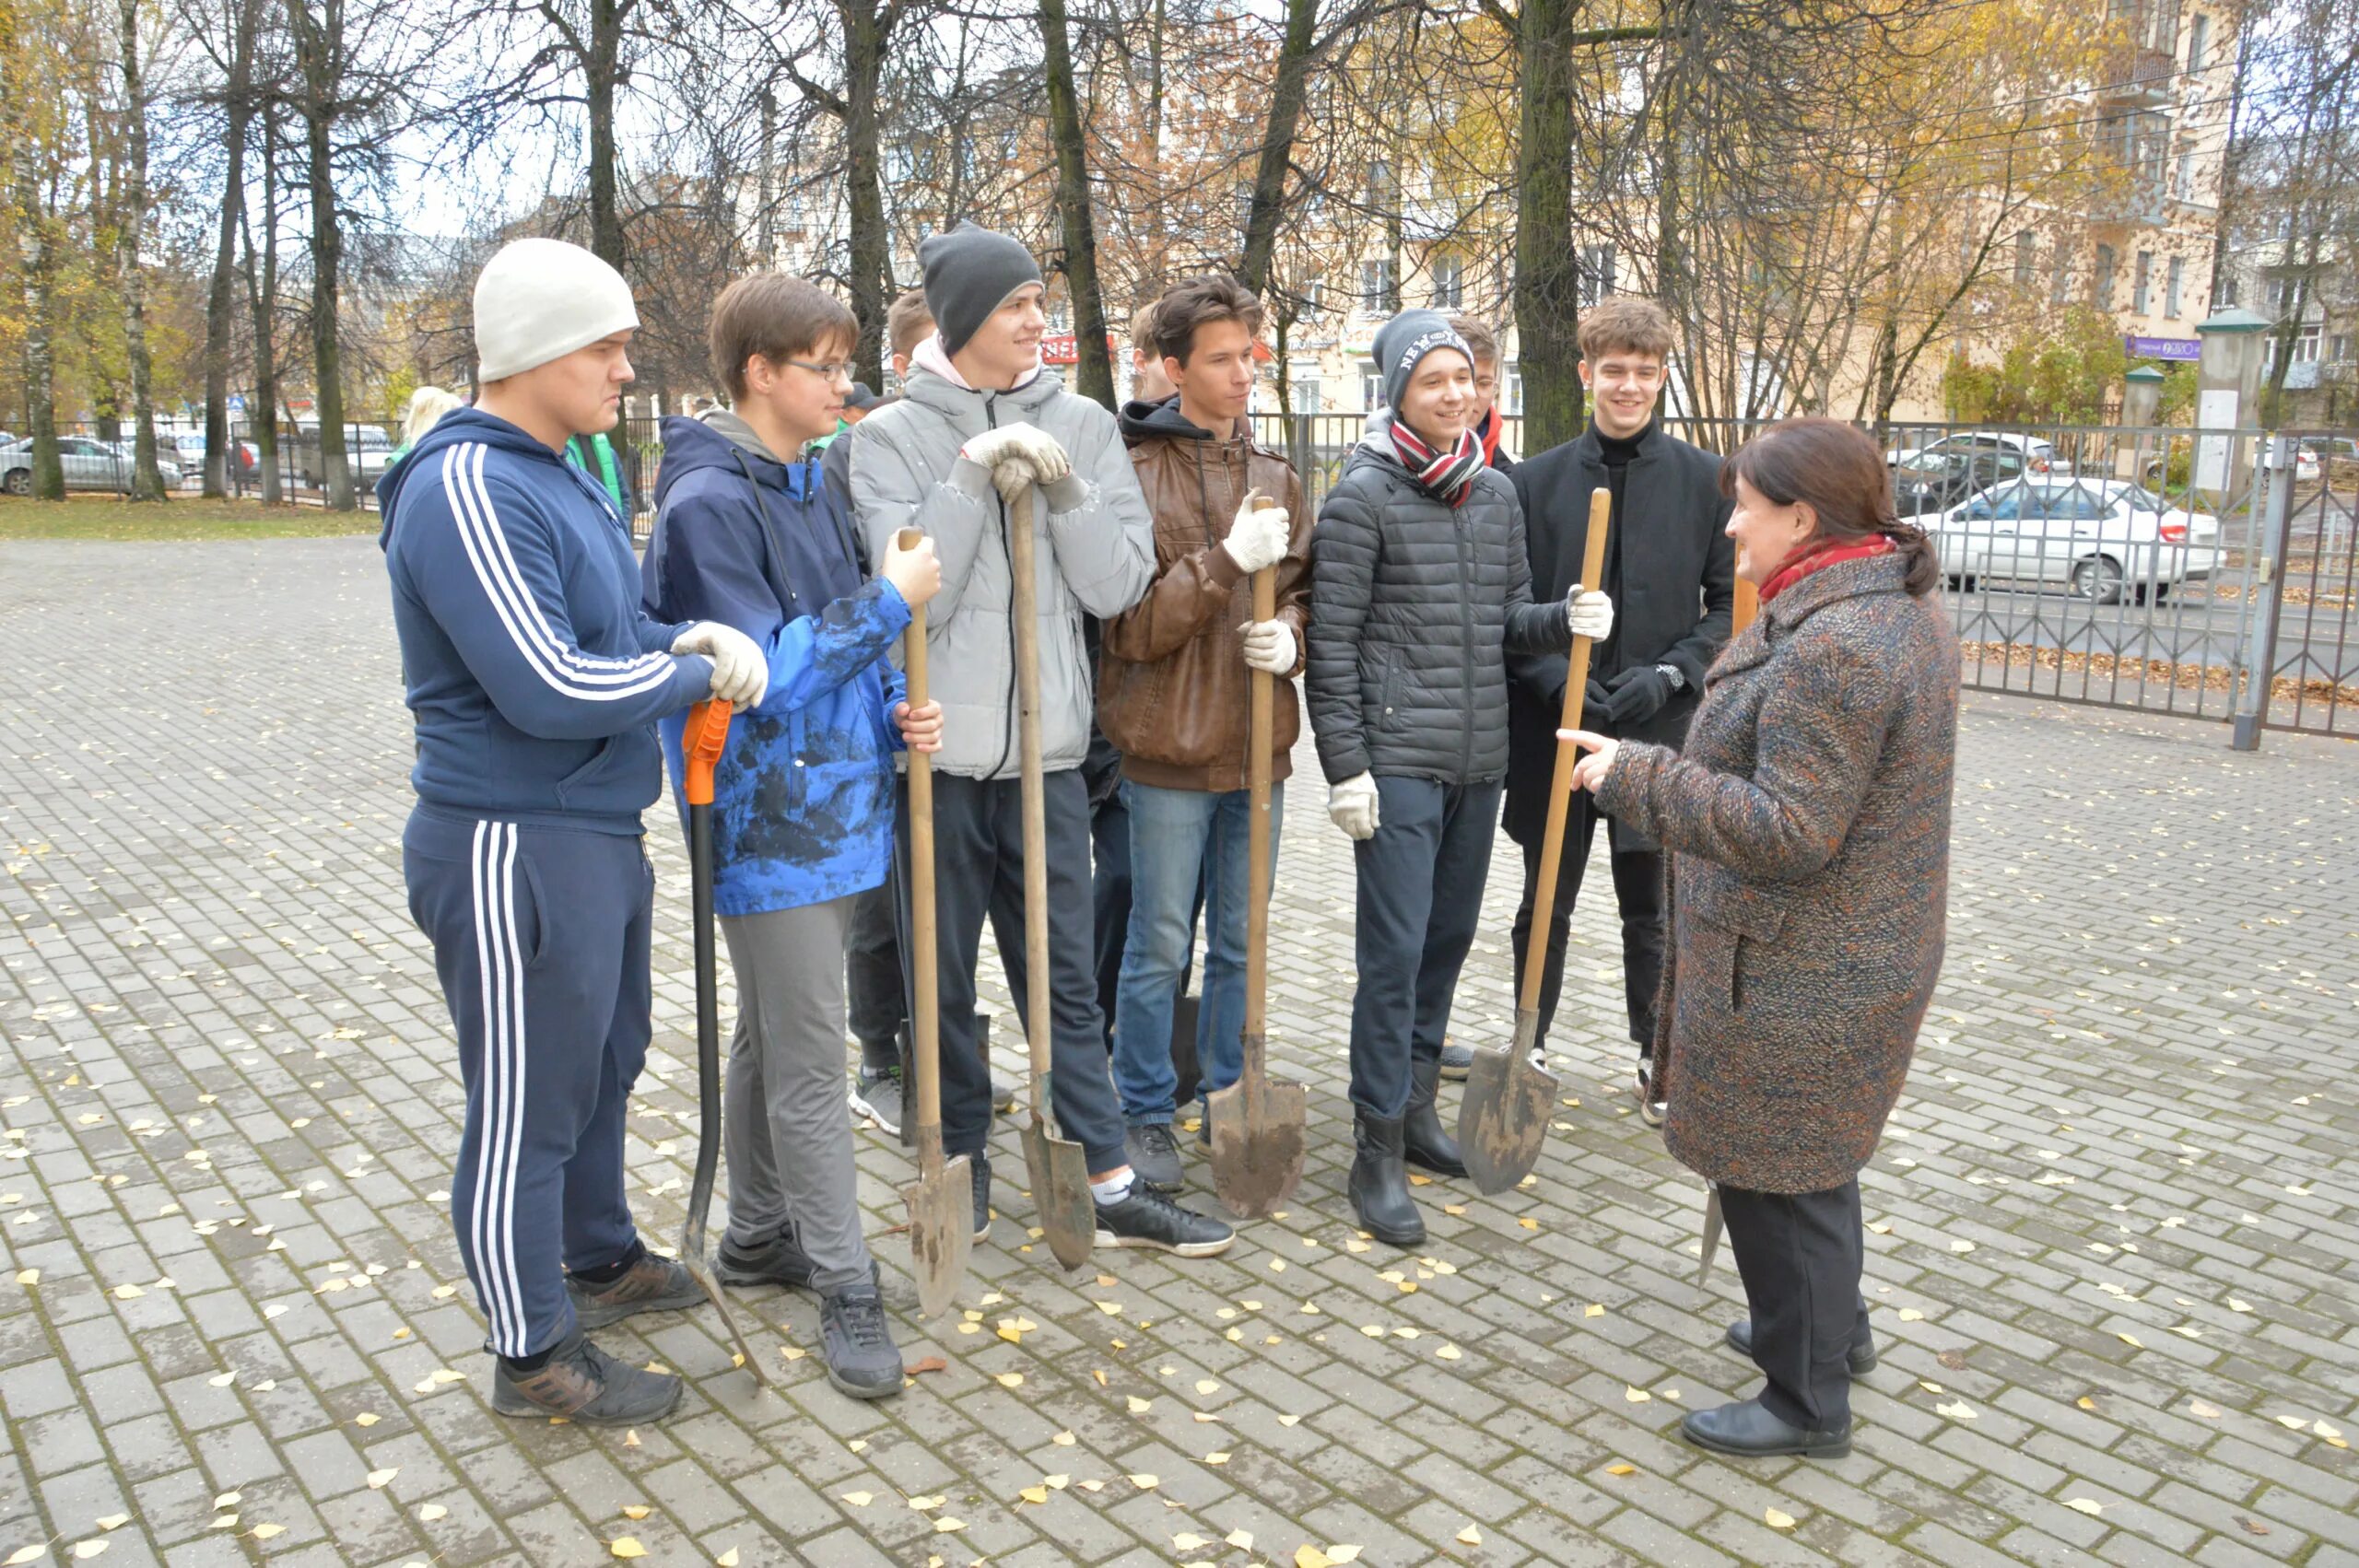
541	942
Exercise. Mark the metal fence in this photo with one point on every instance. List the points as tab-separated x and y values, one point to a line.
96	458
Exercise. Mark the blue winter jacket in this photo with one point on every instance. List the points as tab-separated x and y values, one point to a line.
803	797
535	677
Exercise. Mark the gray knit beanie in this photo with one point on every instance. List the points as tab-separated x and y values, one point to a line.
1407	338
970	273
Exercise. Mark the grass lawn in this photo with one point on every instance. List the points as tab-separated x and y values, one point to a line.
182	517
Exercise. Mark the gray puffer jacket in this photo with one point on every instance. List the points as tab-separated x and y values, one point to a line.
1094	555
1413	606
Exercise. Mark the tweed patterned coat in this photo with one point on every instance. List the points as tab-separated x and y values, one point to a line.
1808	826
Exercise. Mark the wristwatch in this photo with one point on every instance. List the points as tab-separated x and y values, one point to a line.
1671	672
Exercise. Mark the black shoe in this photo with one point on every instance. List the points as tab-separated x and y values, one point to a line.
1154	1156
1456	1061
777	1261
856	1344
1423	1140
651	1284
1862	1357
583	1383
1651	1110
1380	1187
1745	1429
1148	1218
978	1169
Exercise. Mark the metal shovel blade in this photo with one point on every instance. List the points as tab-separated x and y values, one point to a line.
1060	1173
941	1231
1257	1138
1503	1112
1711	1247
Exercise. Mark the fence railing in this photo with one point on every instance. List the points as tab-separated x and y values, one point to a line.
95	456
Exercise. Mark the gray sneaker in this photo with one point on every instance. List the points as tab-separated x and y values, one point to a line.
651	1284
583	1383
1455	1060
857	1345
878	1096
1154	1156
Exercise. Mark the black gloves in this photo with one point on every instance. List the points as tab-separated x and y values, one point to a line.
1595	699
1634	696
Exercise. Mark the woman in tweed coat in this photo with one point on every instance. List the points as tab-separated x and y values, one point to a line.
1808	820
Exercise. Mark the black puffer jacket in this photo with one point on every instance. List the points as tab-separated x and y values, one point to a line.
1413	607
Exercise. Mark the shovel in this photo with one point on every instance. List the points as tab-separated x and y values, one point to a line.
1060	1170
942	1224
1257	1121
701	748
1711	1247
1503	1116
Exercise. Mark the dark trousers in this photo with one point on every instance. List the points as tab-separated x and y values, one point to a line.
1420	898
979	876
1798	1255
874	1000
1109	893
1637	893
541	942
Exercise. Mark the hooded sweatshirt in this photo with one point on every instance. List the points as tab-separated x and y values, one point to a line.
803	797
535	678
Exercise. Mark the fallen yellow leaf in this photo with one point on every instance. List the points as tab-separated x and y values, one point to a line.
1144	1483
861	1499
1218	1457
1470	1536
628	1546
1064	1440
1777	1518
727	1558
1009	1379
429	1512
1637	1396
635	1511
948	1525
2088	1506
1034	1494
377	1478
1621	1470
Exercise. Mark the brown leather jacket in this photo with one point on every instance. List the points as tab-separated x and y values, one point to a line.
1172	692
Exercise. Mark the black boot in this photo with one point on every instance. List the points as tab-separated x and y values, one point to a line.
1380	1186
1422	1142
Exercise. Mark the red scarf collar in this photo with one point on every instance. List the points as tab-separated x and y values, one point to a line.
1490	429
1818	557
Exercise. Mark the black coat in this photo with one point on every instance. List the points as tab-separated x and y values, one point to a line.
1413	605
1676	605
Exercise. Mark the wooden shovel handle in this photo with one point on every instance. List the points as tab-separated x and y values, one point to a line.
925	1002
1261	702
1560	783
1023	603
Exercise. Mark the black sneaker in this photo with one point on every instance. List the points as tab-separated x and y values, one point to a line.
1455	1060
651	1284
979	1169
583	1383
1148	1218
1153	1156
777	1261
877	1095
857	1345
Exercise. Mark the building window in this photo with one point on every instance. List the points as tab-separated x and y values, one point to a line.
2101	279
1302	386
2026	244
2338	349
2186	184
2198	38
1371	391
2288	290
1593	274
2142	278
1450	282
2175	280
1380	289
2307	344
1379	184
1511	394
2059	280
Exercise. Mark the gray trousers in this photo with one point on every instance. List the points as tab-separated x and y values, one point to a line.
785	1125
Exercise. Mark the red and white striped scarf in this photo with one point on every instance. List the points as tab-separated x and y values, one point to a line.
1447	475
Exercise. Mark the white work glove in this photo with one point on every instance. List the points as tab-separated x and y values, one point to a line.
1590	613
1352	805
1257	538
741	676
1019	454
1269	645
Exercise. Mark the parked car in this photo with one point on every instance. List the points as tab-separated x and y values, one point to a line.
367	451
2097	538
1932	481
90	465
2036	453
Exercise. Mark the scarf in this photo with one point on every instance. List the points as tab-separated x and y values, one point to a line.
1817	557
1490	430
1448	476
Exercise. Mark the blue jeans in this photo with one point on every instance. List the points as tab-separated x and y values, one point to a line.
1177	837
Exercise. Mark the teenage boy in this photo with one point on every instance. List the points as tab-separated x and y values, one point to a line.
1173	688
535	680
1670	566
1488	372
1149	383
803	798
1419	584
982	428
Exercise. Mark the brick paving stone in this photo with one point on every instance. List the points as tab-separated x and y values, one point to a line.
229	1085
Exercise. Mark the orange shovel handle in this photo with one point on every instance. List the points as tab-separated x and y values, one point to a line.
708	732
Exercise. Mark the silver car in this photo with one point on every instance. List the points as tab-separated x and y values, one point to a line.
2098	538
90	465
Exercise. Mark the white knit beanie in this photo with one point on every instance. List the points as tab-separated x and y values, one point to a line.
539	299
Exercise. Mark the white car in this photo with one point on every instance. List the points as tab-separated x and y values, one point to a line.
2096	537
2036	453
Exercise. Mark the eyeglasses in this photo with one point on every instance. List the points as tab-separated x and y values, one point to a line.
833	370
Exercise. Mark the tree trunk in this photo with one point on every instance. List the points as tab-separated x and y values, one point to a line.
320	46
1547	282
220	301
40	360
865	36
601	71
1288	94
146	482
263	294
1095	379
